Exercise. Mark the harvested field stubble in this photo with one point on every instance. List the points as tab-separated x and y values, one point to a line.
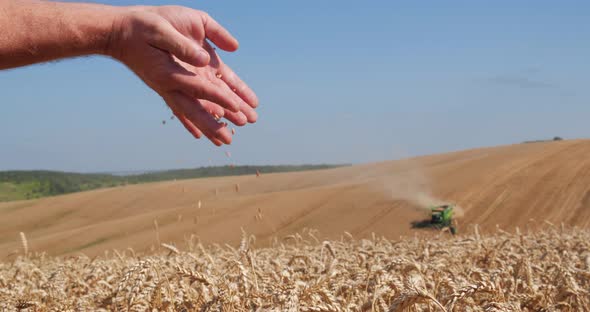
537	271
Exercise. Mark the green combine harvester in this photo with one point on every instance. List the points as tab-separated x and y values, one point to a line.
442	217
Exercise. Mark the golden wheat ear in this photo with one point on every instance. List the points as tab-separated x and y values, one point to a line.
546	270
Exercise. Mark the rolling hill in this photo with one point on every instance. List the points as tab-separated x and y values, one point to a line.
19	185
523	185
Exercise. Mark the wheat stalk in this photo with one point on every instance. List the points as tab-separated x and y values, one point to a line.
24	243
533	271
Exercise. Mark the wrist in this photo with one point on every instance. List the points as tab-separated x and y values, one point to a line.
112	31
121	27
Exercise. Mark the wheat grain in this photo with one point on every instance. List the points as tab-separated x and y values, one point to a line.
532	271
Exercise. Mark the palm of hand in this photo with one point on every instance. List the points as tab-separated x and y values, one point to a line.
201	116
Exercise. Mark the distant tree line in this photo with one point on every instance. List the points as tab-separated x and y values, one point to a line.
40	183
538	141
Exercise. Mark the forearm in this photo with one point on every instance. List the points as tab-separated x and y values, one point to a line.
195	83
39	31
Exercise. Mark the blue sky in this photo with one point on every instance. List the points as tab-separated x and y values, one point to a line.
338	82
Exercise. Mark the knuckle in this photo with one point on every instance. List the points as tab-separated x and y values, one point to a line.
179	48
230	76
164	9
153	30
199	91
205	17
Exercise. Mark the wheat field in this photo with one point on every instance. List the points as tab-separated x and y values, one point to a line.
545	270
504	185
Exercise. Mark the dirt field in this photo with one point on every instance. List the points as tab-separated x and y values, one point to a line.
520	185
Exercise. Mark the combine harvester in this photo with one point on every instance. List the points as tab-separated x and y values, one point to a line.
442	217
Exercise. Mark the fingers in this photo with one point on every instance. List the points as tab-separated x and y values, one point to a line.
218	35
201	88
241	118
215	94
230	78
201	119
189	126
167	38
213	109
238	119
250	114
246	114
237	85
179	105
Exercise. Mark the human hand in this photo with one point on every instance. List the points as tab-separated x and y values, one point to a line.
167	48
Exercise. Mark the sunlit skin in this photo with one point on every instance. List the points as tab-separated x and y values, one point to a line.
167	47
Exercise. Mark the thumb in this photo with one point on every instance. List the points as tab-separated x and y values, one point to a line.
167	38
